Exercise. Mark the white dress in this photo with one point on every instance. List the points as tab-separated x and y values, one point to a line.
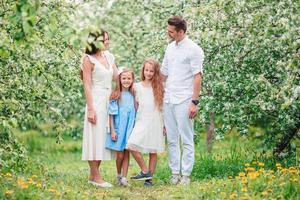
147	135
94	135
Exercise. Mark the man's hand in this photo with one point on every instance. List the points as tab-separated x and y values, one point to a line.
192	111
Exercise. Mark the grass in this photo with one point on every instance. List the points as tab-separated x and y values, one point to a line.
233	171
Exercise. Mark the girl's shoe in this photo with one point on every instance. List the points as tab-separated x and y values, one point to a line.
102	185
148	183
141	176
119	178
124	182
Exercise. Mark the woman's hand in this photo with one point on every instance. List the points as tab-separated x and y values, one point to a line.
92	116
114	136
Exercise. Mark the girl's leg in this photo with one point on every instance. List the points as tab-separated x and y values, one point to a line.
119	161
125	163
140	161
152	162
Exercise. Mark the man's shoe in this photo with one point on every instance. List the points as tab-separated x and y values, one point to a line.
141	176
185	180
175	179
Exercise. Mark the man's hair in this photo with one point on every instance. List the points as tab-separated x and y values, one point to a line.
178	22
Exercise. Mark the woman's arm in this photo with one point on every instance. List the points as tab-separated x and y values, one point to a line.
87	85
115	72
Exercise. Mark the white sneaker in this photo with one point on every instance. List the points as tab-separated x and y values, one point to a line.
124	182
185	180
102	185
175	179
119	178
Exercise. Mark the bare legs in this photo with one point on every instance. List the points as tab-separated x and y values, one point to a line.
152	162
94	171
140	161
122	162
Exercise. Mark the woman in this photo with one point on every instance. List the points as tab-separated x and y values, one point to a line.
97	71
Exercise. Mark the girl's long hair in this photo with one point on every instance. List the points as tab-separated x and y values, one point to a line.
157	82
116	93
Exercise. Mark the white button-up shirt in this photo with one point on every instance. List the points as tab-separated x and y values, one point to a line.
181	62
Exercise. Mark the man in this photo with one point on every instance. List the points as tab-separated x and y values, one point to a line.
182	70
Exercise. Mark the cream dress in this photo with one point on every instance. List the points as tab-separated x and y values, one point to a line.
94	135
147	135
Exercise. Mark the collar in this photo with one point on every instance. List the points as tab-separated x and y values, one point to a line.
182	41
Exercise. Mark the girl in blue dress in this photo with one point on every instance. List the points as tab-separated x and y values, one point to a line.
121	119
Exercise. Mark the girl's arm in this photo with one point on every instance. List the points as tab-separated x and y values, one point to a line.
114	136
87	68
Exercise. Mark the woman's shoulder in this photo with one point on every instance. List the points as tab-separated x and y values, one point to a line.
86	58
109	55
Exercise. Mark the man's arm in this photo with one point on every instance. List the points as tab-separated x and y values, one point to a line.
197	86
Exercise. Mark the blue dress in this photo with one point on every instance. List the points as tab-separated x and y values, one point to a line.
123	112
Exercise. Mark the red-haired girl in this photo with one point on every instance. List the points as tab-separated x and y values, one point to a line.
147	135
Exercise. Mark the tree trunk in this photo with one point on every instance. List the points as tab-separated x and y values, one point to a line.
286	139
211	132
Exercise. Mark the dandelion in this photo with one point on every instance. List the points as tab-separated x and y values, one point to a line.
254	162
269	190
282	184
244	181
39	185
264	193
8	174
20	181
253	175
244	198
244	190
52	190
250	169
223	194
34	176
270	182
233	196
9	192
30	181
284	170
247	165
24	186
242	174
293	170
261	164
230	177
261	171
293	179
278	165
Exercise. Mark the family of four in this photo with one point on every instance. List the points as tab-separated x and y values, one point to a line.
133	118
